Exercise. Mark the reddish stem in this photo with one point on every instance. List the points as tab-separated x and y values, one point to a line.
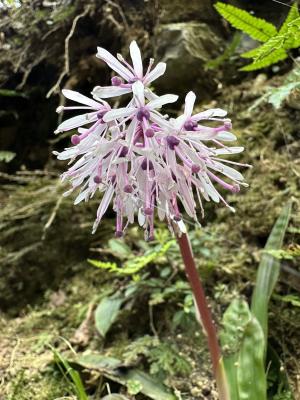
201	303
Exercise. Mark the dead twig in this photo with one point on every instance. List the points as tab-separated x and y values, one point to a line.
66	69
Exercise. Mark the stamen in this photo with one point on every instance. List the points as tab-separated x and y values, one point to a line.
143	113
172	142
116	81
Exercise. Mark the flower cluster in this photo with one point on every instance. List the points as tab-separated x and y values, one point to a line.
139	158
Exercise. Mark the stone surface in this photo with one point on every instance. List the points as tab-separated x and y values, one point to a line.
186	47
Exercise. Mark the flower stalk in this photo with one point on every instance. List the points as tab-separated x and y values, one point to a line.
204	314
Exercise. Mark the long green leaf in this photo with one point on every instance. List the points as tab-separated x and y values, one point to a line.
251	376
234	321
268	270
257	28
106	313
70	374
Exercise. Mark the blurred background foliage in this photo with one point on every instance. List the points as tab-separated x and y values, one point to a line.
49	290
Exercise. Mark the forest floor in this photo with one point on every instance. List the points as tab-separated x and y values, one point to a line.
51	292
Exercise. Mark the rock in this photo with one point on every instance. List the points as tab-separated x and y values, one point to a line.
178	10
186	47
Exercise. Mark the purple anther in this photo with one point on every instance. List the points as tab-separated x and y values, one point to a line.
172	142
144	164
128	189
97	179
195	168
227	125
75	139
100	114
116	81
190	125
124	151
149	132
177	217
143	113
148	211
235	188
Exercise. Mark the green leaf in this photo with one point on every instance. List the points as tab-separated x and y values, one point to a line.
127	376
276	56
106	313
70	374
278	95
234	322
11	93
119	249
229	51
6	156
268	270
98	361
292	15
251	377
257	28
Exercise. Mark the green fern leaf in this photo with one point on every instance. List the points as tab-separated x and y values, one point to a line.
257	28
272	58
292	15
251	53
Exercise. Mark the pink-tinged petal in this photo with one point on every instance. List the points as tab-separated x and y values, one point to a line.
80	98
159	120
118	113
62	108
179	122
209	188
229	150
106	199
227	171
155	73
225	136
190	99
214	112
150	95
203	134
106	92
162	100
141	217
114	64
136	59
82	196
66	154
138	91
77	121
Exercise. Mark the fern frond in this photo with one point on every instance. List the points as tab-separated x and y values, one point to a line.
251	53
272	58
292	16
257	28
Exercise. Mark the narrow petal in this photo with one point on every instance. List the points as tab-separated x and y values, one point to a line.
162	100
114	64
225	136
118	113
159	120
138	91
80	98
136	59
214	112
77	121
190	99
155	73
227	171
229	150
106	92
